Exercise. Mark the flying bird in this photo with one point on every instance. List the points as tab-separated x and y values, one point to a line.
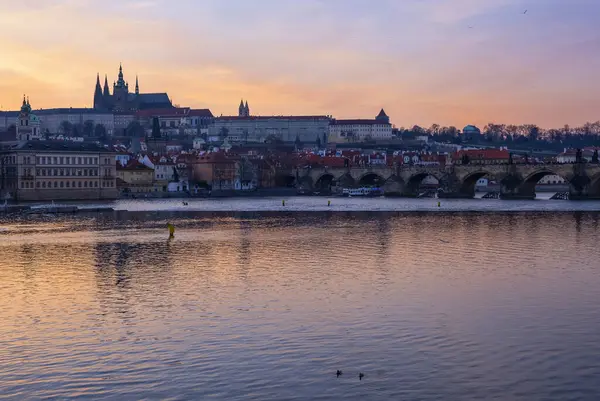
525	12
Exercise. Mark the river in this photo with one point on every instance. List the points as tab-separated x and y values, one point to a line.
451	303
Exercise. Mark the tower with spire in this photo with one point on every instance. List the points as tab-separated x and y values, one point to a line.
98	97
244	110
137	85
28	127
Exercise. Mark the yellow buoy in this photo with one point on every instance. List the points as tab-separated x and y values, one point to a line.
439	204
171	230
328	203
282	203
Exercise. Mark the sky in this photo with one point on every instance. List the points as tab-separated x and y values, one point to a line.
450	62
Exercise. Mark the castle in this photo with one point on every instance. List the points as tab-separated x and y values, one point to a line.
123	101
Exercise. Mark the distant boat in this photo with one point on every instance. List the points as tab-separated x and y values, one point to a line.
363	192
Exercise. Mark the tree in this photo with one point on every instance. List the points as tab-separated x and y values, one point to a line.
318	142
134	129
223	133
88	128
156	134
66	128
100	132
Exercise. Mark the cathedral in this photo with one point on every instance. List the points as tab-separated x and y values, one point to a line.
123	101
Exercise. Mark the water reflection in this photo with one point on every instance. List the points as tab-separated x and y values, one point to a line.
456	305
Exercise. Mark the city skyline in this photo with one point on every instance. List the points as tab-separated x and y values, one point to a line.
432	61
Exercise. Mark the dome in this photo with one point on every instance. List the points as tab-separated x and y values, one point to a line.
471	129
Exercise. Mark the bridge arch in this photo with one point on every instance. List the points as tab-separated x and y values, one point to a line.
469	182
324	182
285	180
371	179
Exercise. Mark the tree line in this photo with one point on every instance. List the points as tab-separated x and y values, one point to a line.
529	135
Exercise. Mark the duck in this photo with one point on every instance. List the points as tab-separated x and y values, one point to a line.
360	376
338	373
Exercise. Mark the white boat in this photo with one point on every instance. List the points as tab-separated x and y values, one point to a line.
371	192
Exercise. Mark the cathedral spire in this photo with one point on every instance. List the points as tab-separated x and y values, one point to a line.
247	109
106	89
98	100
137	85
241	109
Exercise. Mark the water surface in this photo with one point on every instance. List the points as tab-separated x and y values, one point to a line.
267	306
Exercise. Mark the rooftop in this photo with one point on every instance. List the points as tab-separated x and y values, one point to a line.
61	146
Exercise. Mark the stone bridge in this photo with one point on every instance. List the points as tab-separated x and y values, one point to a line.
517	181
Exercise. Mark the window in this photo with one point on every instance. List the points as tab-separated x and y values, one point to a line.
68	160
79	184
62	160
79	160
85	172
44	184
55	172
163	124
54	160
73	184
37	184
95	160
85	184
68	184
62	172
62	184
96	184
55	184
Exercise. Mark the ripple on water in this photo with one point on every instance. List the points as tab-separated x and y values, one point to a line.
429	306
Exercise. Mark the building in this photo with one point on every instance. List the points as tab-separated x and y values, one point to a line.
259	129
176	120
135	178
216	170
28	124
48	170
123	101
52	121
481	156
360	130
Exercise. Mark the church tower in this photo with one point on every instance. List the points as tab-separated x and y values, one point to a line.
28	126
120	92
247	109
137	86
98	98
241	109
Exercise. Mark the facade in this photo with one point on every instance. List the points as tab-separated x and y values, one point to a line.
215	169
45	171
258	129
176	120
51	119
135	178
341	131
121	100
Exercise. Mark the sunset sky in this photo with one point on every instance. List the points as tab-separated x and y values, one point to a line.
425	61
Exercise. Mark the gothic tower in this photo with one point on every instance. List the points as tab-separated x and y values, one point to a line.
247	109
137	86
120	92
98	98
241	109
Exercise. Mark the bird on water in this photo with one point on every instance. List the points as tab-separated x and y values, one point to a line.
338	373
360	376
